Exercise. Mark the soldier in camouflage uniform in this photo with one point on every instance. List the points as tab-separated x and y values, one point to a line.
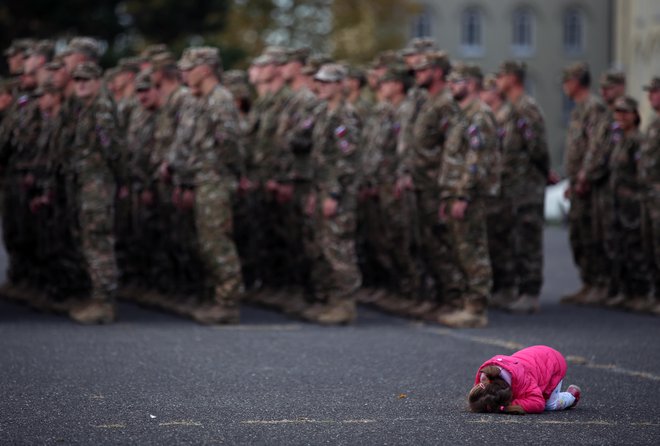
526	164
469	173
93	169
649	177
207	163
585	141
626	221
331	206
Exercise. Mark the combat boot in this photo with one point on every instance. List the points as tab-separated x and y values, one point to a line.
93	311
575	297
525	304
616	301
503	298
595	296
338	312
638	304
422	308
215	314
471	316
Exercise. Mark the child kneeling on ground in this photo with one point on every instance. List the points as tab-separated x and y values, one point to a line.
529	381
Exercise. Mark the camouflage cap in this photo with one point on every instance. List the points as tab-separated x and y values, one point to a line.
515	67
439	59
575	70
56	64
298	54
356	72
626	104
385	59
331	72
151	50
110	73
273	55
490	82
653	85
86	70
612	77
396	73
19	46
462	71
201	55
47	87
232	77
44	48
143	81
419	45
129	64
314	63
88	46
163	60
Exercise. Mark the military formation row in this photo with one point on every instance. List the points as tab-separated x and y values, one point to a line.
614	174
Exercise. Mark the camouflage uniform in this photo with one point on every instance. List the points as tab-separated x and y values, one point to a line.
632	266
585	136
469	172
207	160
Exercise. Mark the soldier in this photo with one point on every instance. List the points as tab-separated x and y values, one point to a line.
79	50
585	139
354	84
633	276
526	165
124	89
649	177
207	164
93	168
6	96
331	206
16	55
469	174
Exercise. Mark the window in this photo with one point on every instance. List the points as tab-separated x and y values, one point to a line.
573	32
421	25
522	42
471	32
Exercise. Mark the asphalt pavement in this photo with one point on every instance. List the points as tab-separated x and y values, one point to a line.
154	378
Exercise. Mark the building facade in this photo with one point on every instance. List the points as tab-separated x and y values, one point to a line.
547	35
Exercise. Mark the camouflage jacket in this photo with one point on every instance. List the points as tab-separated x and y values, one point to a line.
649	163
267	149
471	162
335	156
207	145
526	160
379	142
411	107
19	133
623	164
585	138
425	156
140	136
294	132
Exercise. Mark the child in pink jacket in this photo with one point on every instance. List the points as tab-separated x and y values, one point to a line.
529	381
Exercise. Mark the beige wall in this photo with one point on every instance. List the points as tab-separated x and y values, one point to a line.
637	46
548	57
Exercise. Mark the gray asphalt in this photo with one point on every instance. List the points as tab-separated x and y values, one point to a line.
157	379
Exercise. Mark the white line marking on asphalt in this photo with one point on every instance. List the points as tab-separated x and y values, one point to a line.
576	360
181	423
260	327
510	420
304	420
109	426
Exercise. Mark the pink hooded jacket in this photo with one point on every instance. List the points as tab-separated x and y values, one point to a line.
535	372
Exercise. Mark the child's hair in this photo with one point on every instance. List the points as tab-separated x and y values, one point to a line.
490	396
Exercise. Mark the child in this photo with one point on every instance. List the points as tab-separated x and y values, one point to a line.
529	381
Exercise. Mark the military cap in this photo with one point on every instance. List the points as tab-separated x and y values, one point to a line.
235	77
298	54
626	104
163	60
386	58
653	85
150	51
110	73
490	82
239	90
273	55
612	77
86	70
44	48
19	46
396	72
56	64
462	71
354	72
85	45
419	45
515	67
129	64
575	70
143	81
47	87
331	72
201	55
439	59
314	63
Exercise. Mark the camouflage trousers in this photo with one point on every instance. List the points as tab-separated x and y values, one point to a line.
581	237
294	233
436	249
330	246
630	264
95	234
515	244
602	209
367	244
469	244
16	227
651	239
214	225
